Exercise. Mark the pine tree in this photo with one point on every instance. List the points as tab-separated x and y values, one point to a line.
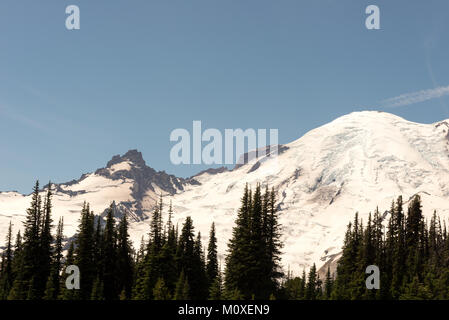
182	288
26	283
191	260
6	271
46	240
110	258
152	269
311	287
160	291
273	243
17	268
212	260
238	258
139	289
125	263
216	288
328	284
252	264
199	282
52	290
85	252
97	290
97	259
65	293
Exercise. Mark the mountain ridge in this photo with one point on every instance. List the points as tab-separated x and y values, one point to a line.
353	163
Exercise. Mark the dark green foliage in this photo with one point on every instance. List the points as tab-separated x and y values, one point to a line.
190	259
252	264
412	254
182	290
67	294
311	288
125	264
109	255
34	262
160	291
216	288
6	268
85	252
53	286
212	260
328	285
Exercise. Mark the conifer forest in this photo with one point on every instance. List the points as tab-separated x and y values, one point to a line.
411	253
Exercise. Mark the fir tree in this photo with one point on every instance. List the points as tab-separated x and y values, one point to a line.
109	280
182	288
328	284
52	290
212	261
6	271
65	293
216	288
124	256
160	291
311	287
85	252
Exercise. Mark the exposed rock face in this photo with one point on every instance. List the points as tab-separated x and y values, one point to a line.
132	166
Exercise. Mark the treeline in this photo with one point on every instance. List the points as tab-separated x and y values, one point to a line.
412	255
171	264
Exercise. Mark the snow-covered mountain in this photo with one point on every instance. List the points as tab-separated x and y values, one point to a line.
354	163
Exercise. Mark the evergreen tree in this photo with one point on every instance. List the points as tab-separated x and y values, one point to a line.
139	292
97	290
153	267
199	281
273	243
216	288
212	260
17	268
252	264
26	283
311	287
238	258
6	271
109	280
191	260
160	291
125	262
182	291
65	293
328	284
45	247
52	290
85	252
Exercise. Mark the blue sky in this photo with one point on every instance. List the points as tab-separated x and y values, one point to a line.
136	70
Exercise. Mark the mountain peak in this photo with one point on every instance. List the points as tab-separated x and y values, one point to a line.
368	115
133	156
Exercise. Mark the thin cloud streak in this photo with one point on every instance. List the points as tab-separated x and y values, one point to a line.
415	97
8	112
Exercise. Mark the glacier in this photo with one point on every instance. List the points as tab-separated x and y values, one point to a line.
353	164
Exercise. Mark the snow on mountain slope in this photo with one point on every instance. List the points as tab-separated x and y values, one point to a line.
126	180
353	163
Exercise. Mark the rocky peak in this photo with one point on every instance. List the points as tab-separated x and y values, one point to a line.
133	156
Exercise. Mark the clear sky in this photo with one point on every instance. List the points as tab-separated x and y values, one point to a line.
136	70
